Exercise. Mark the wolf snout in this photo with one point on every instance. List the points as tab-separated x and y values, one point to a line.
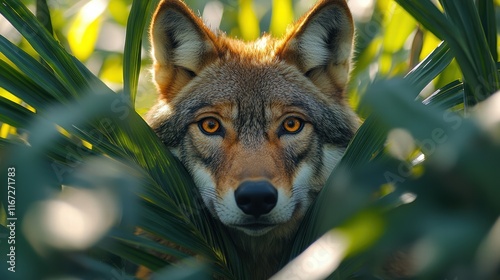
256	198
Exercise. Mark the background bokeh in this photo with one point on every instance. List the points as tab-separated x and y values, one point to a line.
94	31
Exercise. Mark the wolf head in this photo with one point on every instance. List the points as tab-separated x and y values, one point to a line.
259	125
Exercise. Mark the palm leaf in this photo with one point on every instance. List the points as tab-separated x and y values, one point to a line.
167	195
43	15
462	29
486	10
132	53
14	114
337	201
366	145
42	41
49	87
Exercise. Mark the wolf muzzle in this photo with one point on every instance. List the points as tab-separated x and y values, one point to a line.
256	198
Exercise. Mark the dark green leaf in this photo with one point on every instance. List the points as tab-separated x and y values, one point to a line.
53	89
132	54
486	9
43	15
430	67
43	42
14	114
447	97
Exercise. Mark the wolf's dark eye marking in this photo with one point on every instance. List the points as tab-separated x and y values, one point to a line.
291	125
210	126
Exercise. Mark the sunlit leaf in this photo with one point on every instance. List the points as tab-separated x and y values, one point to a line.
119	10
430	67
448	75
133	42
112	69
363	230
398	27
397	30
84	30
368	56
430	43
282	16
247	20
384	5
45	45
5	130
14	114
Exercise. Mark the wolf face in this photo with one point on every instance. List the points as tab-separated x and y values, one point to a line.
259	125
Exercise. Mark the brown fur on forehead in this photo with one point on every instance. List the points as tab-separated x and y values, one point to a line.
266	51
248	84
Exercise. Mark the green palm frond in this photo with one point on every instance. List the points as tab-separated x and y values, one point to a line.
64	93
461	27
366	167
132	53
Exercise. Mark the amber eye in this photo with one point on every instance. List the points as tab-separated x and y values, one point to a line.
210	126
292	125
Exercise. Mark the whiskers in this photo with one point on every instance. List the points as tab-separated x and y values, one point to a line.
209	193
305	192
299	190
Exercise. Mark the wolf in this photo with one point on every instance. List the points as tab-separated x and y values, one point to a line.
259	125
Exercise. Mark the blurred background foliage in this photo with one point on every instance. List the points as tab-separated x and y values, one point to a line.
462	198
389	41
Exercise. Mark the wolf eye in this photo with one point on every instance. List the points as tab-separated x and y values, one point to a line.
292	125
210	126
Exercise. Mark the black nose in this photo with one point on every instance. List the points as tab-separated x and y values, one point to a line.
256	198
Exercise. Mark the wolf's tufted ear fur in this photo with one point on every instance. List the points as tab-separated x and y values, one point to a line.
182	45
320	44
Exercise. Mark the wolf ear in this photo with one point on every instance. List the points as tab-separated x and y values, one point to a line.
182	45
320	45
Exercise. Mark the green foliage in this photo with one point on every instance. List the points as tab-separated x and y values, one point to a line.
421	174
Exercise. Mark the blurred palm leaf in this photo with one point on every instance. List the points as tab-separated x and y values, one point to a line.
281	17
84	30
347	192
91	112
247	20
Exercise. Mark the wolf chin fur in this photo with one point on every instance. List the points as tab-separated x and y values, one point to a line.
259	125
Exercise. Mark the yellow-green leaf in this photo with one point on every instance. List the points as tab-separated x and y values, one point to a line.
363	230
430	44
112	69
84	29
282	16
119	10
399	27
384	5
248	22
